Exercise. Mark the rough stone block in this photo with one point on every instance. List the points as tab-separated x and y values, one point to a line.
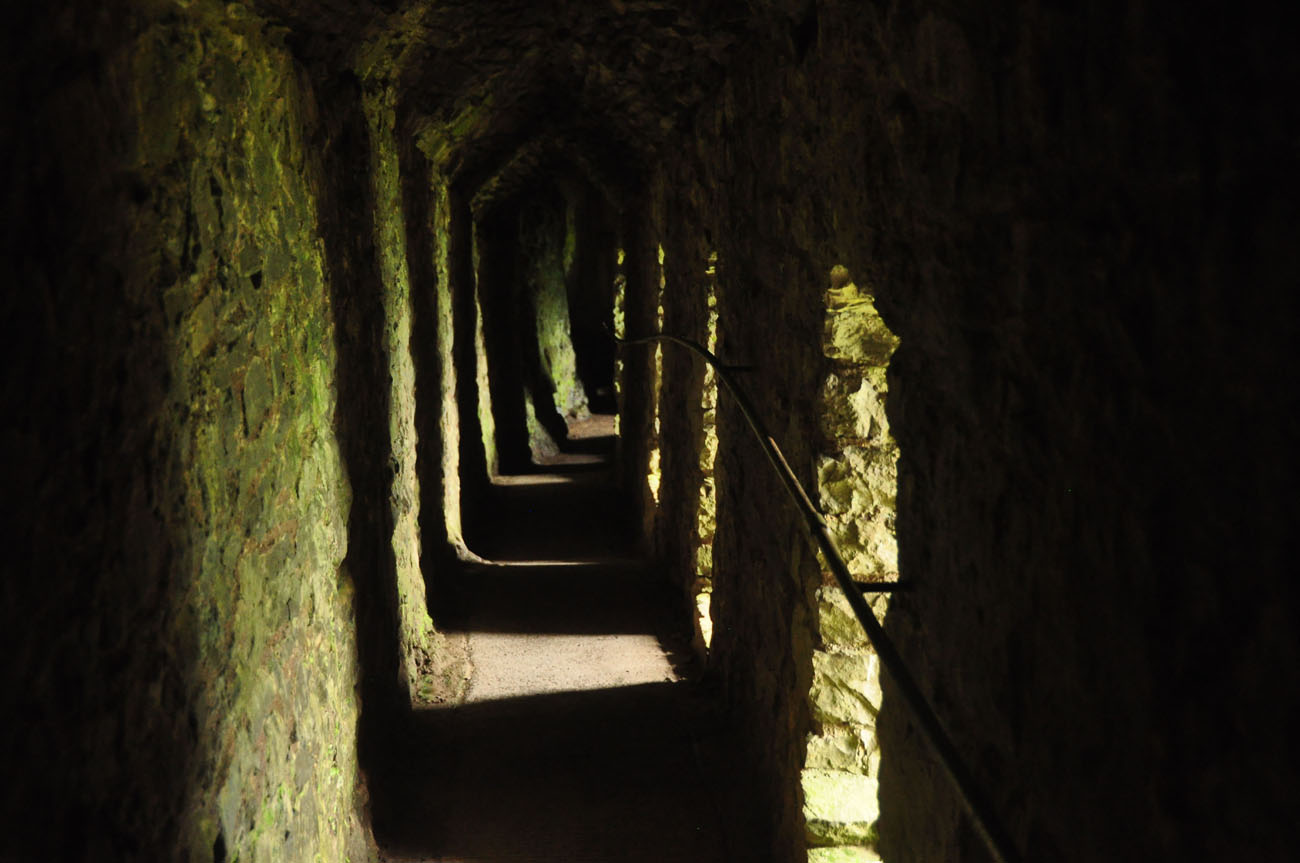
846	686
840	747
840	808
858	334
838	624
258	394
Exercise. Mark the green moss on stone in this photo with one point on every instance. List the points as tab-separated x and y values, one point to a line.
544	233
487	424
416	632
268	616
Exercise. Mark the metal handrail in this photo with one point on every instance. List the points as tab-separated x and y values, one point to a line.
989	827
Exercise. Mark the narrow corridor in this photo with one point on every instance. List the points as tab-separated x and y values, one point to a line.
290	284
585	735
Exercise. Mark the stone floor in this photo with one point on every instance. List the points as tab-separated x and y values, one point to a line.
584	736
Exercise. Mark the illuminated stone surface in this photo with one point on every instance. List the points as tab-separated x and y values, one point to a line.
842	854
839	807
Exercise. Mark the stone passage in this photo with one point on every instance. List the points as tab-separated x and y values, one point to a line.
284	283
583	734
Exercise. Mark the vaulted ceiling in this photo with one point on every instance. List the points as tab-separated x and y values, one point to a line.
489	87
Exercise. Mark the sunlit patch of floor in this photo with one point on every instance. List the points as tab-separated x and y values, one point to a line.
511	664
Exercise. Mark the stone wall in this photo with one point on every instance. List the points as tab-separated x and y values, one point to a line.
398	236
636	315
471	409
546	247
591	290
683	533
184	662
495	238
1074	222
769	320
708	204
525	250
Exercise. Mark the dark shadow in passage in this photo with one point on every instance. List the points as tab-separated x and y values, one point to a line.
580	465
577	599
602	445
500	323
638	773
101	695
546	512
591	295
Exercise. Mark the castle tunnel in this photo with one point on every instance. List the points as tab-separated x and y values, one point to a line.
291	283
